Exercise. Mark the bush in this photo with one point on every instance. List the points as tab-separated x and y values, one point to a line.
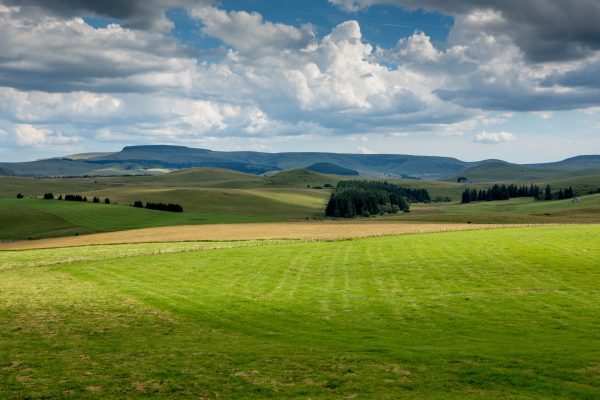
96	200
20	196
48	196
171	207
138	204
107	201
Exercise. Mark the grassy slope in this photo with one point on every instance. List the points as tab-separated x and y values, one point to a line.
204	178
212	195
523	210
579	176
29	218
492	314
192	178
219	195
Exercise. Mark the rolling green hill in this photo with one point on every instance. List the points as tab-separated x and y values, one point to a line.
36	219
586	167
190	178
215	195
507	314
328	168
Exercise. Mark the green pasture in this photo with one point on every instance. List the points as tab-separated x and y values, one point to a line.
520	210
35	219
274	203
506	313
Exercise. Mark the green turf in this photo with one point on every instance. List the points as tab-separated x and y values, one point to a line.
510	314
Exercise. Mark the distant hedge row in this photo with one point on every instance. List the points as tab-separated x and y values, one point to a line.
170	207
69	197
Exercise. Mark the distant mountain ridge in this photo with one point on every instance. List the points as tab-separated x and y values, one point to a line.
396	165
148	159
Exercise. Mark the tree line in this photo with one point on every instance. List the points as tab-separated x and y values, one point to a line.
366	198
504	192
170	207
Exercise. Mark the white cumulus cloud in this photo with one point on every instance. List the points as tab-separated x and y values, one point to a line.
494	137
29	135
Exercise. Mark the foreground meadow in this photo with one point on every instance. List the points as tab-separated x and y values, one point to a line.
508	313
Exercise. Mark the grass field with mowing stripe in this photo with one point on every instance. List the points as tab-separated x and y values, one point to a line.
510	313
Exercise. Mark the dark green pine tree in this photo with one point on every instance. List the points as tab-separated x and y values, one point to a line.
466	196
474	195
548	193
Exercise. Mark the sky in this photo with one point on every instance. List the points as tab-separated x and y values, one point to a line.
472	79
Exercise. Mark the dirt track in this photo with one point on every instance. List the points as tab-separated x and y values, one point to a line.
291	230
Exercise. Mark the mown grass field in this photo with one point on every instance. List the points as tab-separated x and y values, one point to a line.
510	313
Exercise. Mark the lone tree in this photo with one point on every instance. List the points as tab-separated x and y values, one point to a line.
461	179
107	201
20	195
48	196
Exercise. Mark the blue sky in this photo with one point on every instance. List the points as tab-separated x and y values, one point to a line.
514	80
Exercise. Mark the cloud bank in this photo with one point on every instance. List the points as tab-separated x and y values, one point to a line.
63	81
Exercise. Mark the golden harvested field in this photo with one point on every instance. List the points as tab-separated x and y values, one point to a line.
250	231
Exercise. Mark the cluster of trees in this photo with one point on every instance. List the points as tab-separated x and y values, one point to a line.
171	207
48	196
74	197
503	192
366	198
411	195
